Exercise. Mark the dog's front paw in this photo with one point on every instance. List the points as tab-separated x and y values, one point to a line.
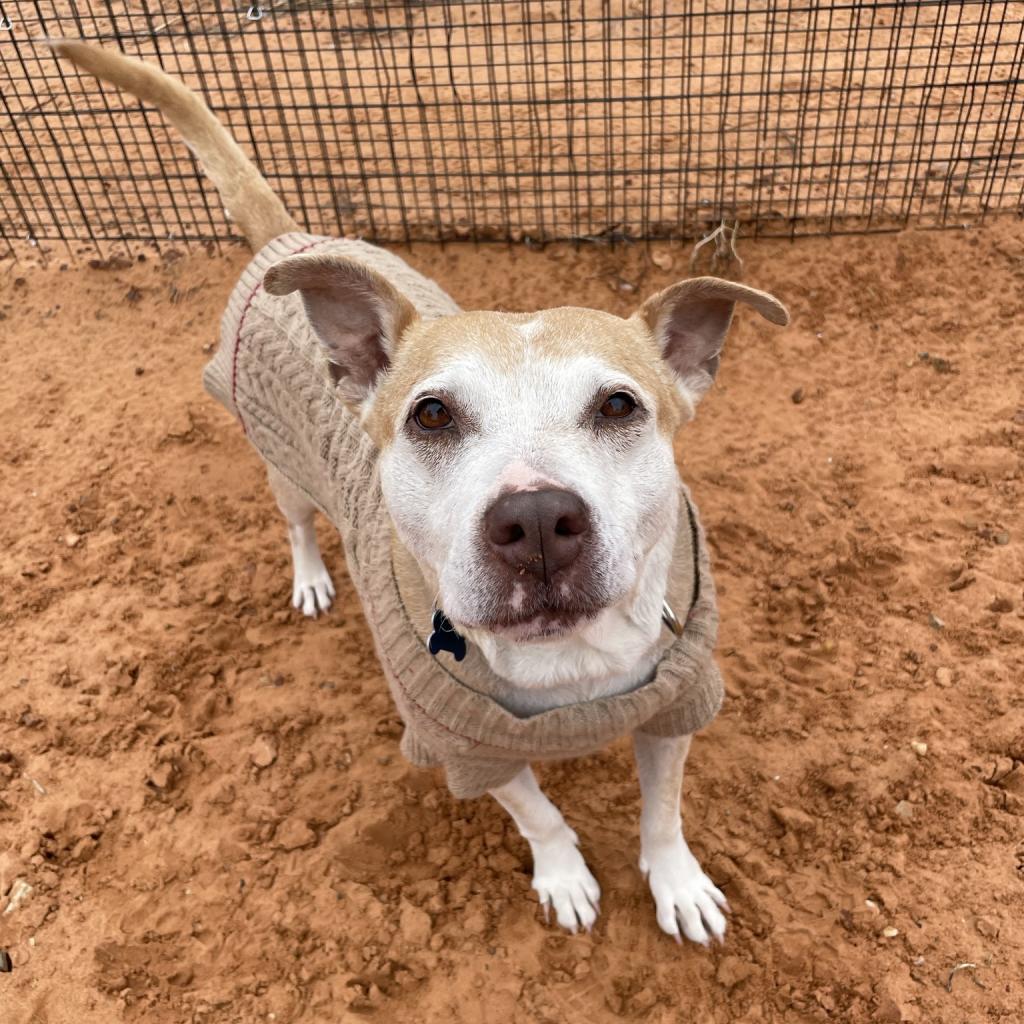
312	591
562	880
684	897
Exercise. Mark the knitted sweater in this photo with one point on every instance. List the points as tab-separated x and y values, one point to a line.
271	374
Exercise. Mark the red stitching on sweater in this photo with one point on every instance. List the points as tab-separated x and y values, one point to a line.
241	324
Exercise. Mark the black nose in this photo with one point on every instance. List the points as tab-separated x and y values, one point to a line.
537	532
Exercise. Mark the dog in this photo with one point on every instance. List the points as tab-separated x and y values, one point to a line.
507	492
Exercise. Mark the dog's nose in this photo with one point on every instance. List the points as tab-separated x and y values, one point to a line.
537	532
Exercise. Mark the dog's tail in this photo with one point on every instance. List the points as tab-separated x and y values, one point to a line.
247	197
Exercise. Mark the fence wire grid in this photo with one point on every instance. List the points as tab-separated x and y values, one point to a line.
429	121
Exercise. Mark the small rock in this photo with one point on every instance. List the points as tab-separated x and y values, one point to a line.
213	598
162	775
72	540
1001	605
798	396
662	259
263	753
20	892
222	794
962	582
944	676
644	999
890	932
293	834
11	866
139	371
792	819
919	748
414	924
1002	537
935	622
988	927
888	1011
904	811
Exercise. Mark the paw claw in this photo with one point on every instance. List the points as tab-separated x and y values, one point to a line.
313	594
685	899
563	880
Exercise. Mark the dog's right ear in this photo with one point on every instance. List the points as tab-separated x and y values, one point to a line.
357	315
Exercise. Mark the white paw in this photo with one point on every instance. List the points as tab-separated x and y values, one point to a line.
562	880
684	897
313	590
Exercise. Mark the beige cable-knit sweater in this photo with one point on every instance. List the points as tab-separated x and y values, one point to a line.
270	372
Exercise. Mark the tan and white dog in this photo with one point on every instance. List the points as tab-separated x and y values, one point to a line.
526	462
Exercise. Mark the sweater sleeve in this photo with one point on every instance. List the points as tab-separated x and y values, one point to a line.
467	777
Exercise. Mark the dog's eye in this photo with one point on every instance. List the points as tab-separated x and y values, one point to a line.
430	414
617	406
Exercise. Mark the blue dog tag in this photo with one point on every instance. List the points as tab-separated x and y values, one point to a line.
445	637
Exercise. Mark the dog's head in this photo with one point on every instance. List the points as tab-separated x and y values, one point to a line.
526	459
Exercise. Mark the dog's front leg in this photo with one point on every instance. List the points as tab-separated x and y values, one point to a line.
561	877
683	895
312	589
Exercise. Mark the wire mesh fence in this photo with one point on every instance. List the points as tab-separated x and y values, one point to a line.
564	119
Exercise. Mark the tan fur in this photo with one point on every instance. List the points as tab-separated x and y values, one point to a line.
249	200
566	331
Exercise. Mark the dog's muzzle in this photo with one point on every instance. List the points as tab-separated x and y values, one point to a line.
542	563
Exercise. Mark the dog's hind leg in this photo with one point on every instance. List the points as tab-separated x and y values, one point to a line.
312	589
561	877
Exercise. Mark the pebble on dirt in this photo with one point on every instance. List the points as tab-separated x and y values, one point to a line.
263	753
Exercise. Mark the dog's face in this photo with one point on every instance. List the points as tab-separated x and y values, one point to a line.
526	459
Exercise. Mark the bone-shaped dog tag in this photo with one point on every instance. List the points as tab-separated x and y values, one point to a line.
445	637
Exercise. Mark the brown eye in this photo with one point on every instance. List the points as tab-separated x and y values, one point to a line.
617	406
430	414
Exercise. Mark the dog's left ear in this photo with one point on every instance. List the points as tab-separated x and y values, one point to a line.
690	319
357	315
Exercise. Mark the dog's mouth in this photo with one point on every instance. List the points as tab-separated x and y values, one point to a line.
524	609
551	623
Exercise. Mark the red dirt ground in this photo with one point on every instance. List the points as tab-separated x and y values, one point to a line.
204	790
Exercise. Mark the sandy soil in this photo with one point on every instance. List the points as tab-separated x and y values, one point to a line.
204	790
